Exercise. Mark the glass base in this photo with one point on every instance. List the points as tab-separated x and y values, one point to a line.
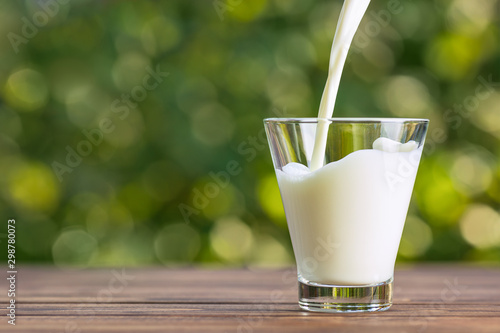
330	298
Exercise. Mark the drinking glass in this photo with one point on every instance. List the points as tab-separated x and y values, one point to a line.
346	218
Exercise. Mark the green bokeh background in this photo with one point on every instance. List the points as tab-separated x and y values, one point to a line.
230	64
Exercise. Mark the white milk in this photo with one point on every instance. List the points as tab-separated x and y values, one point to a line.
349	20
346	219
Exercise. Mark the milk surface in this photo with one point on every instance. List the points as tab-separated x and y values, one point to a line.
346	219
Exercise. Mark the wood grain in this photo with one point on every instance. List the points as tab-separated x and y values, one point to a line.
428	298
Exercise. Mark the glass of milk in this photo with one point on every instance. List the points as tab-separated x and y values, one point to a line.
346	215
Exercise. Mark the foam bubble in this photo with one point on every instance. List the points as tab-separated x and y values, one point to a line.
296	169
391	146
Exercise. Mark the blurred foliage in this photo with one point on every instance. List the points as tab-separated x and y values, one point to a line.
193	145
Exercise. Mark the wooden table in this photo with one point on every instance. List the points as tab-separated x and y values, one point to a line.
428	298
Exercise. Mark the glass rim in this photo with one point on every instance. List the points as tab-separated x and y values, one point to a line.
345	120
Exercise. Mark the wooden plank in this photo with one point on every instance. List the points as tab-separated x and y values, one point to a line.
428	298
431	284
248	309
304	323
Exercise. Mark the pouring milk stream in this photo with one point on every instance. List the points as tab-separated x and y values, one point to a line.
349	20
